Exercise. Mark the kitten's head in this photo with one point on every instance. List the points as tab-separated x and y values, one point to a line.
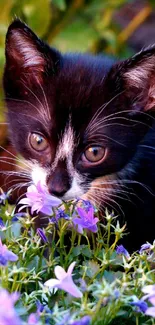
78	119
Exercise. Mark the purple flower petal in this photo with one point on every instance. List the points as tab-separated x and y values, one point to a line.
39	199
6	255
8	314
86	220
150	311
140	304
64	281
145	247
121	250
33	319
42	235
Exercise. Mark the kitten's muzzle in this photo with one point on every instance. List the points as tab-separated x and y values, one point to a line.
59	183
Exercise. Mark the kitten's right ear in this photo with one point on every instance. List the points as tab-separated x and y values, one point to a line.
27	57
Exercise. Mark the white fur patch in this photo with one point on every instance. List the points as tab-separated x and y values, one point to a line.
38	173
76	190
65	149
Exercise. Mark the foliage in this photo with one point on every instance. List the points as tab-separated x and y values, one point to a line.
110	280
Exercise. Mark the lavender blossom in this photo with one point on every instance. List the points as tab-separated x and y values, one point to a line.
19	215
121	250
39	199
42	235
8	314
2	225
140	305
64	281
6	255
145	247
149	290
3	197
86	220
33	319
60	214
150	311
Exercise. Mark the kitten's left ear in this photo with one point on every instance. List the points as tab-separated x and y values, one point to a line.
26	55
137	76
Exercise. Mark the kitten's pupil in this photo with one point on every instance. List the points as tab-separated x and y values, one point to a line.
94	153
38	142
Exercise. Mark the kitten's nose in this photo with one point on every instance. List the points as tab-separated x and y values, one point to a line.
58	184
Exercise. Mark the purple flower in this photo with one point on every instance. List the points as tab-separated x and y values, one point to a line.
64	281
149	290
83	321
145	247
2	225
121	250
19	215
33	319
150	293
141	305
42	235
3	197
6	255
8	314
39	199
86	220
60	214
150	311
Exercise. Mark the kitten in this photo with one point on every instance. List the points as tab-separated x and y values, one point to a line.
85	126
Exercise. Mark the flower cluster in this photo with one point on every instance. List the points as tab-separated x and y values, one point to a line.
81	295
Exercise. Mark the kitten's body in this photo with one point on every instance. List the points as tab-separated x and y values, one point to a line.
86	106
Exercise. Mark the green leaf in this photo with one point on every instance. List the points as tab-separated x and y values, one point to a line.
60	4
77	36
38	14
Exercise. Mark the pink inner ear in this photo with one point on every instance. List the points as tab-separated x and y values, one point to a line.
142	78
138	75
25	52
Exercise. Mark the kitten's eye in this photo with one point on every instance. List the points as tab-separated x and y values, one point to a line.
94	154
38	142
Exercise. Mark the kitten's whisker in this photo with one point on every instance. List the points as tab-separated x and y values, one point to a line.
26	102
14	180
46	102
127	112
146	146
103	137
11	154
30	116
11	163
100	110
43	114
13	173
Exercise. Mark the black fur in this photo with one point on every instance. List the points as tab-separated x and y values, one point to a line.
78	85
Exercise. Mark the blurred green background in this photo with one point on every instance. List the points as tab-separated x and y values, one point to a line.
111	26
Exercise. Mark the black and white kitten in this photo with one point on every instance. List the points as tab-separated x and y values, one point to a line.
85	126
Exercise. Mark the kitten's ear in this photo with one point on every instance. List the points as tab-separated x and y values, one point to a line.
26	54
137	75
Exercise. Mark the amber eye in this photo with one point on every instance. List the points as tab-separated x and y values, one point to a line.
94	154
38	142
